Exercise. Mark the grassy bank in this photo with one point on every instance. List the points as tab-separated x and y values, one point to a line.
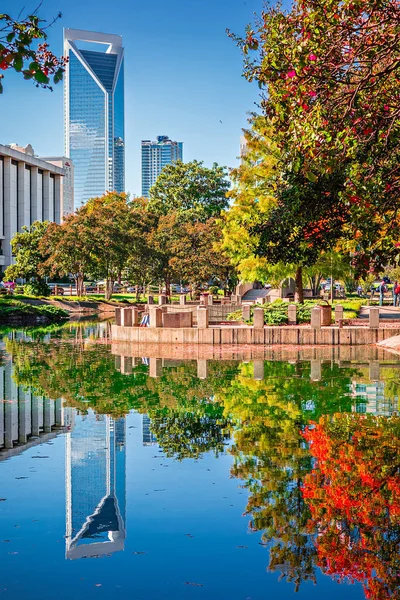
15	312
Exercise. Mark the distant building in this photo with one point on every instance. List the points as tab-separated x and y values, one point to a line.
95	486
243	147
31	190
94	112
155	156
148	437
67	183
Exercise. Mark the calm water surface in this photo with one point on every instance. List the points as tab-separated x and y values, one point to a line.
147	478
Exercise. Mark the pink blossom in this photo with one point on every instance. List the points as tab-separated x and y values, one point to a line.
291	74
312	57
386	107
312	94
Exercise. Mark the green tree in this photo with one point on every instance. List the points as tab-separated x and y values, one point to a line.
17	51
29	255
190	188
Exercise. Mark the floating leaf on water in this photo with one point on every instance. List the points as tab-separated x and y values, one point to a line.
193	584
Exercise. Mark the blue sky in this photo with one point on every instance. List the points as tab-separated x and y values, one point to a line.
182	77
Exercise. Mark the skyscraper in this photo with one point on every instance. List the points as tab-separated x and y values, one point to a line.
155	156
94	112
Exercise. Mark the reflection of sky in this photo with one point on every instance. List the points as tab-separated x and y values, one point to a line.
166	500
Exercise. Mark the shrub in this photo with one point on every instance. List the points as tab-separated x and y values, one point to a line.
37	288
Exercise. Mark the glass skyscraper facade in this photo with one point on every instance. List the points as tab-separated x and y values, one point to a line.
94	112
155	156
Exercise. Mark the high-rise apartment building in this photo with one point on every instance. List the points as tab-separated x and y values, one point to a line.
94	112
155	156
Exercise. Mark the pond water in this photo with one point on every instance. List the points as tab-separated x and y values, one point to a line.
160	478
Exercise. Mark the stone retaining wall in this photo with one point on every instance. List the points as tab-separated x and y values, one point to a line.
294	335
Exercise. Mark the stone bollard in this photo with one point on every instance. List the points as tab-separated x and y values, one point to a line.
202	369
155	367
210	300
316	372
258	318
316	318
182	299
258	366
155	316
202	317
118	316
374	317
292	314
338	313
202	299
246	312
126	365
126	317
374	370
162	299
150	299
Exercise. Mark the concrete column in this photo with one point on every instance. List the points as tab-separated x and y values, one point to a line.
339	311
10	206
150	299
59	412
162	299
258	318
46	196
48	416
182	299
24	417
374	317
126	365
34	194
210	300
246	312
155	367
374	370
37	411
57	199
292	314
202	317
155	314
24	200
315	374
8	424
202	369
258	366
316	318
202	299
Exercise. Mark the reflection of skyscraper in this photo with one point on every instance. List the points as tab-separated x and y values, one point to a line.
95	486
148	438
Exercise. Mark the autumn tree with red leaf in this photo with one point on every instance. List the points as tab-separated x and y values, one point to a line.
330	74
353	493
17	51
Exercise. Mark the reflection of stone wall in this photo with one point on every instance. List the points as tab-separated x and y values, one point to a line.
25	418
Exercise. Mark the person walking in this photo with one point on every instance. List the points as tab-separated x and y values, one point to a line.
359	291
382	290
396	294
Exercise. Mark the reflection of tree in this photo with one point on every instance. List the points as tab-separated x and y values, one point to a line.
185	417
353	493
272	457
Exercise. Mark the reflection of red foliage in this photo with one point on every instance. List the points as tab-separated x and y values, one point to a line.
354	497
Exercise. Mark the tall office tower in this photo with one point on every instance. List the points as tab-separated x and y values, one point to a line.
155	156
95	486
94	112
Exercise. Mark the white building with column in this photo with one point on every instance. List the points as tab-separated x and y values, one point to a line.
30	190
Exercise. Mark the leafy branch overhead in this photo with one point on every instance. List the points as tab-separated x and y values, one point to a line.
24	49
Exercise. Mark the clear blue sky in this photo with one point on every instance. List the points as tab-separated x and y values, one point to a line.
182	77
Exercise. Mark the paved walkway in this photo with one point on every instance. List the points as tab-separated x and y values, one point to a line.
385	312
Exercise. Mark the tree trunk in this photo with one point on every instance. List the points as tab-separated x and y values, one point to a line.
79	278
299	296
109	289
